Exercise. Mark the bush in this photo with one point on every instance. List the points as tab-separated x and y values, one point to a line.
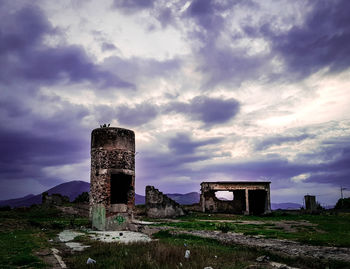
82	198
343	204
223	227
5	208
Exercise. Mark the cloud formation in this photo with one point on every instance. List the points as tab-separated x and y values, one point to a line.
214	90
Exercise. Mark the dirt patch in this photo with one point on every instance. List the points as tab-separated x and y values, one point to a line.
284	247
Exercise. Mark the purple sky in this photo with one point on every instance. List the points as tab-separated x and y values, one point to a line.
214	90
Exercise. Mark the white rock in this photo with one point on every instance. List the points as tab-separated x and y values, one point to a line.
90	261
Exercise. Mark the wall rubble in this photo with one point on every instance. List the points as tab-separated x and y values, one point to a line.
158	205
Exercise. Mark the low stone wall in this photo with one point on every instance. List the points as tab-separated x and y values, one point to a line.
158	205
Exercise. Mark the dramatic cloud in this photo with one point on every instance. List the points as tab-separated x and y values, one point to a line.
210	111
25	55
318	42
183	144
278	140
214	90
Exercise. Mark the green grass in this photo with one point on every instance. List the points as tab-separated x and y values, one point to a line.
16	248
26	231
168	252
328	230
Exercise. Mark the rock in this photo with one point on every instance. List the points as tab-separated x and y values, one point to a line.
90	261
263	259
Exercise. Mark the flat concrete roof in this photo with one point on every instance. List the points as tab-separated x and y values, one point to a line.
237	182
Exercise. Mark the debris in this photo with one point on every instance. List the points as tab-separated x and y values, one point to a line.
120	234
76	246
187	254
263	259
58	257
90	261
185	244
208	267
180	264
215	257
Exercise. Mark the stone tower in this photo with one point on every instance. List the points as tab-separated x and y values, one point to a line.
112	187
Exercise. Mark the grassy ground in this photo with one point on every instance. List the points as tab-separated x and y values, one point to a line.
168	253
24	232
327	230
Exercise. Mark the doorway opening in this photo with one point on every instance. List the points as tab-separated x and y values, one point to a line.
121	184
257	202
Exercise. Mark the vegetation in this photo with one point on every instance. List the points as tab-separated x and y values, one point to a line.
26	232
82	198
326	229
343	203
168	253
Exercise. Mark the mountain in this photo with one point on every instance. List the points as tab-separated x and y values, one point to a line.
291	206
139	199
185	199
71	189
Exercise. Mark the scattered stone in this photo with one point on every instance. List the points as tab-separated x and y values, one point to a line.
58	257
68	235
283	246
128	237
263	259
76	246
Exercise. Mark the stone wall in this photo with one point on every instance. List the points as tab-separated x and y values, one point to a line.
158	205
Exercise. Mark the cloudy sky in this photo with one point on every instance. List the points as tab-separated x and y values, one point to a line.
214	90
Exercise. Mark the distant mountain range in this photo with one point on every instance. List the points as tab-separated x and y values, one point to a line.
73	188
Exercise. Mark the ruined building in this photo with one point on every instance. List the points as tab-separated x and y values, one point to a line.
248	197
112	188
158	205
310	203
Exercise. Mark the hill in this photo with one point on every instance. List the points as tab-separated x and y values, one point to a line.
71	189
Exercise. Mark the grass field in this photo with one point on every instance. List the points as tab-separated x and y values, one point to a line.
325	230
24	233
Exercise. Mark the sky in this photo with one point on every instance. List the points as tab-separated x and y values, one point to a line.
214	90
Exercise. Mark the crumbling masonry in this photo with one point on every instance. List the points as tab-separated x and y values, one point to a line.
158	205
112	188
248	197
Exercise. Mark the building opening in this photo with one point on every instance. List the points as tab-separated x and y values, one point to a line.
257	201
120	187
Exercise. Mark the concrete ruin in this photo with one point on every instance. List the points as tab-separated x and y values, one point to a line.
158	205
248	197
310	203
112	188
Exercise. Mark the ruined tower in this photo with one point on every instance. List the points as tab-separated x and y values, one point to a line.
112	187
